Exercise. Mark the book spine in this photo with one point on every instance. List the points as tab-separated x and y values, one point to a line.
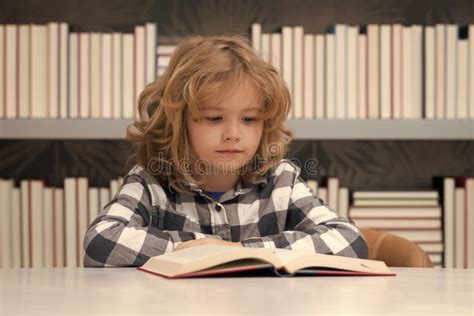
333	192
2	71
94	205
362	89
150	68
5	249
471	71
330	77
37	218
340	73
459	205
59	227
275	54
308	70
25	222
385	72
73	84
407	72
469	228
11	68
287	63
82	215
24	100
343	203
95	75
84	76
417	71
38	63
48	228
53	70
430	73
351	82
462	77
320	84
448	224
451	53
117	76
298	72
440	71
266	47
63	70
128	71
256	37
373	75
70	199
139	67
106	78
15	226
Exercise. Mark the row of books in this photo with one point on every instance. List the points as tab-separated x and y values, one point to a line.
440	221
46	71
458	220
375	71
416	216
352	72
44	227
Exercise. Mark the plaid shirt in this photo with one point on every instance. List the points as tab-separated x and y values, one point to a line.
277	210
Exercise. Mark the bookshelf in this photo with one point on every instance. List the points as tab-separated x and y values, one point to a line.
303	129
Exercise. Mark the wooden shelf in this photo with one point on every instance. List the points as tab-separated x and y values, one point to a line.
303	129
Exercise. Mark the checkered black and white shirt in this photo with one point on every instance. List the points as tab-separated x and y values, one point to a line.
277	210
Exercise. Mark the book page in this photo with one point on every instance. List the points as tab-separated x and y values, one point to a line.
203	257
301	260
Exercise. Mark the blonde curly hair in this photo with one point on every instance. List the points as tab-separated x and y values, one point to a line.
202	68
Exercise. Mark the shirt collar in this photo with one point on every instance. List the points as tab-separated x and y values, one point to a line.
242	186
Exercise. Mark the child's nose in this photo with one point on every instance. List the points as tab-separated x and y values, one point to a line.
232	131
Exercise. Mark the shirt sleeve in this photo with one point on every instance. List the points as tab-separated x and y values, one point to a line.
122	234
311	225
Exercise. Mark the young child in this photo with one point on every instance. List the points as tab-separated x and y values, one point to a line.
209	166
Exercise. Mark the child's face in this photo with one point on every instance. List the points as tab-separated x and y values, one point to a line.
230	124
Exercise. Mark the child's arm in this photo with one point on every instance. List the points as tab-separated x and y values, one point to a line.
311	225
122	235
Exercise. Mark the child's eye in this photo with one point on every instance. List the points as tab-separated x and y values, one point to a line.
218	118
213	118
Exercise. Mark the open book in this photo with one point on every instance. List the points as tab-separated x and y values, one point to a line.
207	260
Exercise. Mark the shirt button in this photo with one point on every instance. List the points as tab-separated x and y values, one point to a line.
218	207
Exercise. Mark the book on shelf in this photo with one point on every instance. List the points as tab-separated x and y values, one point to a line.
413	215
308	80
398	223
287	62
297	94
207	260
332	184
388	71
395	202
376	211
463	223
378	71
430	195
446	187
73	74
44	226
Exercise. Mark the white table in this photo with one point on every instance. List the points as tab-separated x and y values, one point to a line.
127	291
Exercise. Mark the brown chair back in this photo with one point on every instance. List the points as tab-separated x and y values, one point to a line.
395	251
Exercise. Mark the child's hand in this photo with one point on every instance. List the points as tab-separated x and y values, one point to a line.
206	241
